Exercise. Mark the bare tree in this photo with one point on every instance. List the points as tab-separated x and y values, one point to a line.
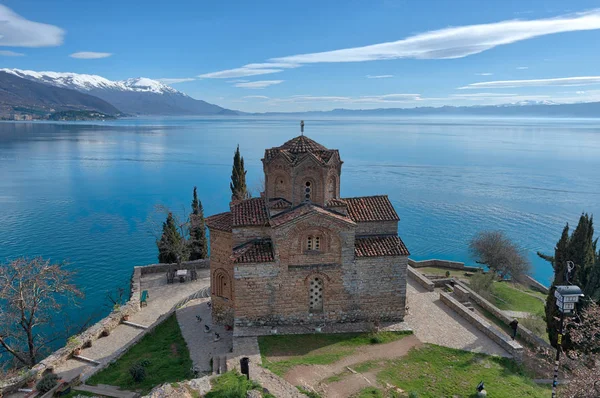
584	360
499	253
31	292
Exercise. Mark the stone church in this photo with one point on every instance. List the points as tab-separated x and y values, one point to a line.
301	254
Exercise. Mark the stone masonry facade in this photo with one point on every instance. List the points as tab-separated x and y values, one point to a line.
300	254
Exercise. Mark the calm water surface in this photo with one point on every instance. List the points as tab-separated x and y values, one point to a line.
86	193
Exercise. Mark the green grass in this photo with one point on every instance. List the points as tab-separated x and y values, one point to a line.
309	394
514	297
231	385
370	392
167	352
434	371
366	366
315	349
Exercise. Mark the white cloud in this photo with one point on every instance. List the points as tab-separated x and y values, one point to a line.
256	97
237	81
379	76
89	55
561	81
258	84
367	99
448	43
522	67
456	42
484	74
16	31
10	54
175	80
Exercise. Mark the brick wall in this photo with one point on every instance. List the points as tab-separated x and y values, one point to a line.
376	228
245	234
221	264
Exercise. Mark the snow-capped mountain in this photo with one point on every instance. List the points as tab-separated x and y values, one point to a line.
133	96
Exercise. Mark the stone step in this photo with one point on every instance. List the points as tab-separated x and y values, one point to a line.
216	365
86	359
135	325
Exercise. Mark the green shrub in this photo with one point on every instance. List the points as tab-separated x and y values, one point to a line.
376	339
137	372
413	395
482	283
47	383
145	362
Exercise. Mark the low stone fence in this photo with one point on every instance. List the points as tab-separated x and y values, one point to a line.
157	268
524	333
420	278
529	281
455	265
512	347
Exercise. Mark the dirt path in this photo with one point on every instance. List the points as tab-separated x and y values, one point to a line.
312	375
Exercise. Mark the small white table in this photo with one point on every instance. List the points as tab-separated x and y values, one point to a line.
182	274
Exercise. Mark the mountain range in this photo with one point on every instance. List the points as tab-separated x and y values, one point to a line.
46	92
137	96
27	96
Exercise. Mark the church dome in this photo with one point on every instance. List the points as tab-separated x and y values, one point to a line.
302	144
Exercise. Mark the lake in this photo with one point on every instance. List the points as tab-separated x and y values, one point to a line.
87	193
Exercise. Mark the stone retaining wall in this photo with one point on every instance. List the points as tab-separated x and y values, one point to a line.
529	281
455	265
512	347
524	333
157	268
420	278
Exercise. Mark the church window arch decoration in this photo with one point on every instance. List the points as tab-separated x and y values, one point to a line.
315	294
280	186
221	284
308	190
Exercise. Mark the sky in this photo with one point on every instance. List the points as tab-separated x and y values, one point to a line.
261	56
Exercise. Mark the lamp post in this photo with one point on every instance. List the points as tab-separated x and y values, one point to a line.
566	299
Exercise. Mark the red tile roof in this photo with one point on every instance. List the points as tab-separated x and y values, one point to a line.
378	246
297	148
249	212
255	251
336	203
221	221
371	208
304	209
279	204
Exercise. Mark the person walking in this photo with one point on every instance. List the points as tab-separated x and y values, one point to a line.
514	325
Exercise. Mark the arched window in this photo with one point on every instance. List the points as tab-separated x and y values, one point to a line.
279	187
315	295
307	190
221	286
314	242
331	188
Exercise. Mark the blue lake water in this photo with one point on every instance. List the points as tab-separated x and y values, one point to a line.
86	193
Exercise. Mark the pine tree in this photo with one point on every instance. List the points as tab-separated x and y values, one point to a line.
198	247
239	190
171	245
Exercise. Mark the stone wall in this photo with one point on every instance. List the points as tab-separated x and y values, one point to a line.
529	281
158	268
512	347
420	278
246	234
524	333
442	264
363	290
221	271
377	228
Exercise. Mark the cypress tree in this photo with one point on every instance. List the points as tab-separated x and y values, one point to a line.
559	264
198	246
239	190
580	248
171	243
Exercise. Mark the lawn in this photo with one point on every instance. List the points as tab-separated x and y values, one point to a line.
233	385
434	371
281	353
167	356
510	296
